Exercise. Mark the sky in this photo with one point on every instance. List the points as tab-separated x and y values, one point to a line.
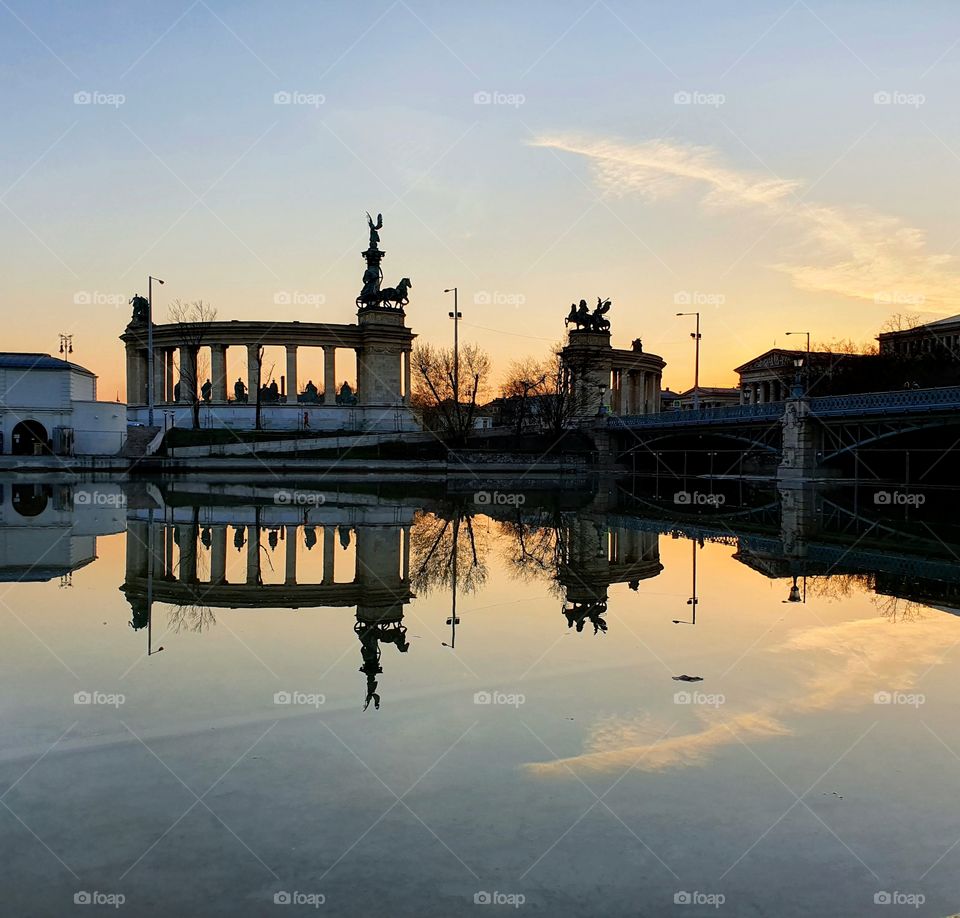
778	166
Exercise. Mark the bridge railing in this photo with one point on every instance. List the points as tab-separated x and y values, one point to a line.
886	402
675	417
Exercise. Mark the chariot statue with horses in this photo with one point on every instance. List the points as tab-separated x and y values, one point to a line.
371	294
581	316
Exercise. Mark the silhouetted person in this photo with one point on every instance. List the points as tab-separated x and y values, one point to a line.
239	537
239	390
309	536
206	390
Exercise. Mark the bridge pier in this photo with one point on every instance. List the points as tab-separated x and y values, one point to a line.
800	433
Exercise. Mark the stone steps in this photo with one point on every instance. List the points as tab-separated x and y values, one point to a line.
138	438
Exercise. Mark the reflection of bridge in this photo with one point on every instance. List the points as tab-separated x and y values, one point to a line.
804	433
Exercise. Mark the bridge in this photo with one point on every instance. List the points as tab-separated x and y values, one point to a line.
804	435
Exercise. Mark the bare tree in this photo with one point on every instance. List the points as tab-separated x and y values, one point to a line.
193	321
445	403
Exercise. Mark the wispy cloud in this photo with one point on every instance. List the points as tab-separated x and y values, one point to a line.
853	252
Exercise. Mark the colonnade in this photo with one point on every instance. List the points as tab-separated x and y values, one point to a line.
634	391
762	391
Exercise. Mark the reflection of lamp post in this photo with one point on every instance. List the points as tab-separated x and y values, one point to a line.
453	621
794	595
601	388
692	601
150	392
696	360
150	558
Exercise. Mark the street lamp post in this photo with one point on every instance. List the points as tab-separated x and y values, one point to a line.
456	315
696	361
150	392
806	371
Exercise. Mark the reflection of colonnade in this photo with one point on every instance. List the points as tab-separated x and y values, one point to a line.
595	555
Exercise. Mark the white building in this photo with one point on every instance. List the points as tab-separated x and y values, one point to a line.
50	406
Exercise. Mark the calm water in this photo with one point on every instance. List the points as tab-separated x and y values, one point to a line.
216	698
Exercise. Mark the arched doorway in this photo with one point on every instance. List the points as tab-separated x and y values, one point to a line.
26	436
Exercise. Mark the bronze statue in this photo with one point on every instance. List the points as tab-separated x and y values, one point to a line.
581	316
374	229
141	310
396	295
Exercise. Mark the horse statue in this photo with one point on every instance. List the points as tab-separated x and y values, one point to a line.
141	309
579	315
397	296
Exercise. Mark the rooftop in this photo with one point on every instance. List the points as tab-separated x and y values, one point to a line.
21	360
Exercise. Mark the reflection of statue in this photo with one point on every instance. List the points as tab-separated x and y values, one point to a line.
239	537
579	613
346	396
371	636
141	310
239	391
309	536
374	234
206	390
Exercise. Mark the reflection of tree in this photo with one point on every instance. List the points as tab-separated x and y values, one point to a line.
191	617
898	609
535	550
436	539
844	586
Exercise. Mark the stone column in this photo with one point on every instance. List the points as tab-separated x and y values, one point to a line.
137	557
329	374
292	386
188	374
328	537
253	372
187	540
169	373
406	377
218	555
159	375
253	552
136	375
218	372
405	572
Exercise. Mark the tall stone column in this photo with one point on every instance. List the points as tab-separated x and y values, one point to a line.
137	557
136	375
159	375
290	570
406	377
218	372
292	387
328	537
187	540
188	374
253	372
170	361
329	374
253	553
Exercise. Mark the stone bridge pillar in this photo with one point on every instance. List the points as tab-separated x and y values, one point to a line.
800	433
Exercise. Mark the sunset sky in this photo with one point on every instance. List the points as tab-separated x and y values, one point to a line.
786	166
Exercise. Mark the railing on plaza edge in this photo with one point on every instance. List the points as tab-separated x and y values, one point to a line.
865	403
